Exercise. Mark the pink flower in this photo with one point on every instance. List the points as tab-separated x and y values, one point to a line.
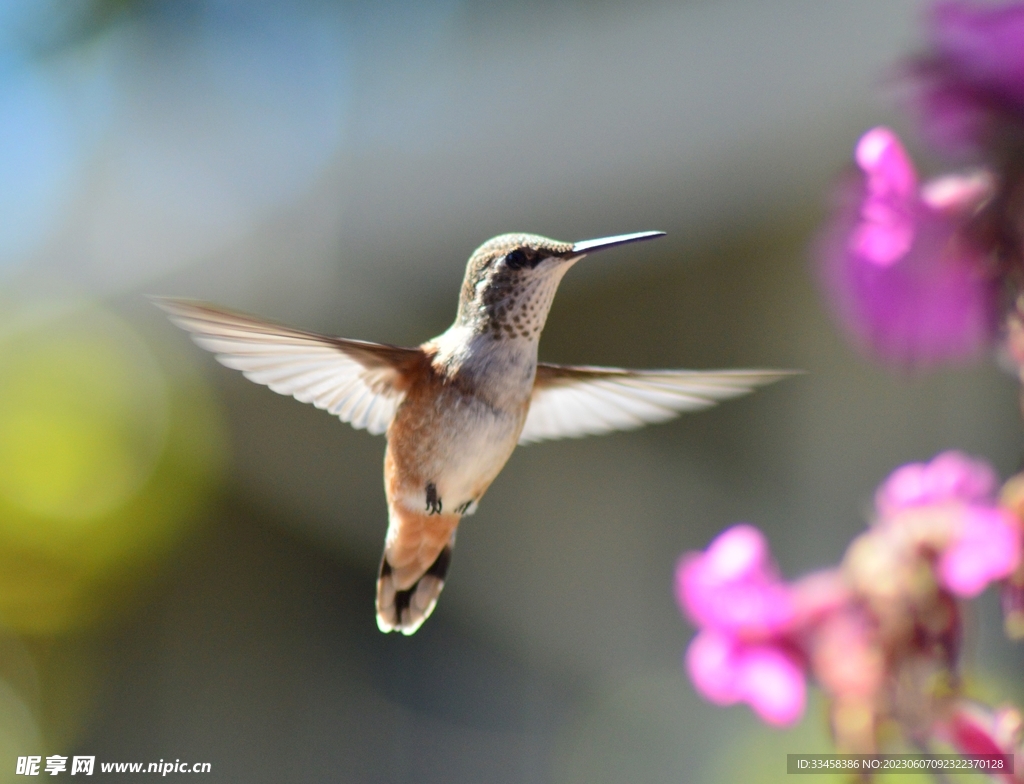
819	595
950	476
905	279
869	630
845	654
987	549
985	43
711	663
765	677
986	543
886	228
732	586
972	84
731	591
772	683
972	728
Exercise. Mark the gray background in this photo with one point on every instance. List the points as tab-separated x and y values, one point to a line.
332	167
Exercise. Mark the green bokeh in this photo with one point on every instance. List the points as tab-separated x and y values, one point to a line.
105	460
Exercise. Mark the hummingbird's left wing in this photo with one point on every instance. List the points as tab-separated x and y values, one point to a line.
572	401
362	383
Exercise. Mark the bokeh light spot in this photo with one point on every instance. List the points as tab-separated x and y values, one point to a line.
105	460
83	421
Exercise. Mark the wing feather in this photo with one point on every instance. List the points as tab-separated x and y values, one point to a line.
572	401
362	383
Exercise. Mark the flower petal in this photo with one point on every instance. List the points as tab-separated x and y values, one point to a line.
984	45
773	684
988	549
712	665
732	586
886	228
949	477
906	279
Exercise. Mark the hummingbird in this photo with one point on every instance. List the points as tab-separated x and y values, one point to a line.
455	407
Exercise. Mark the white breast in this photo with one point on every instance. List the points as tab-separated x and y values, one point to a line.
470	446
476	434
478	453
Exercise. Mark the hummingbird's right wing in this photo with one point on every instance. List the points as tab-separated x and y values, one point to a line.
572	401
362	383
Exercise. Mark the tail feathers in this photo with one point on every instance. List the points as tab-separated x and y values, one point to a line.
405	610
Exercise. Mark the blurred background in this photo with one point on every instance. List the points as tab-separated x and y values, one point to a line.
187	560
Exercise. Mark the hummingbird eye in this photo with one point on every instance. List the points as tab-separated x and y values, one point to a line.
517	259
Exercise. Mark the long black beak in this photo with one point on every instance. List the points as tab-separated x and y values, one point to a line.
589	246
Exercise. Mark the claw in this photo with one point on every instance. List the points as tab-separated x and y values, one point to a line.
433	501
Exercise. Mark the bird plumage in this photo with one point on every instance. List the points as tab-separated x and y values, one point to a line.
455	407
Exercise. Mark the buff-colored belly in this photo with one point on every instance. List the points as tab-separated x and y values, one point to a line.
478	454
460	452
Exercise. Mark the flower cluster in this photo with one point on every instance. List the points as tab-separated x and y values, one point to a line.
905	277
744	611
917	272
968	91
880	633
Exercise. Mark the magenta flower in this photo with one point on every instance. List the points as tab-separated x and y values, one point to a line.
867	630
845	655
905	279
950	476
984	544
988	548
765	677
975	729
731	591
772	683
885	231
732	586
971	88
915	271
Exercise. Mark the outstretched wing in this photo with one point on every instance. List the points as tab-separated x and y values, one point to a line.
362	383
569	402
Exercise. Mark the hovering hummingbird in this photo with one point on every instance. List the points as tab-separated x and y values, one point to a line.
455	407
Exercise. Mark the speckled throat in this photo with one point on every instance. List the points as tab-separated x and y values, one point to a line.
512	300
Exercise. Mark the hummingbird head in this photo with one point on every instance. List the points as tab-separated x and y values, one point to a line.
511	281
